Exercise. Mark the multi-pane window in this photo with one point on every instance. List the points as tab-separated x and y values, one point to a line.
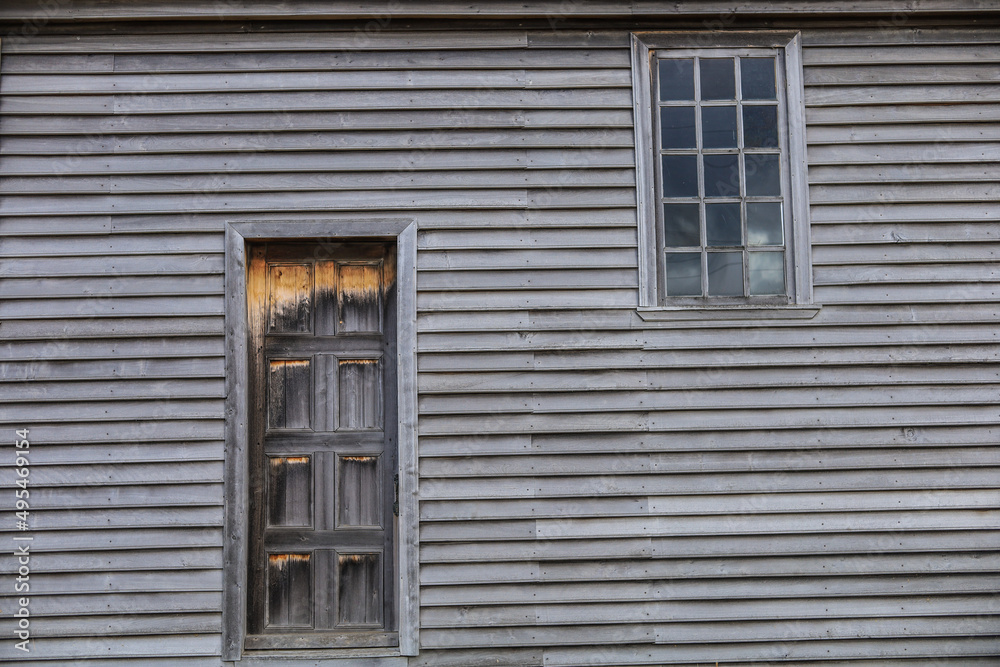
723	201
722	186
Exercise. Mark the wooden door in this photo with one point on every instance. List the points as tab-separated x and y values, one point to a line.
323	445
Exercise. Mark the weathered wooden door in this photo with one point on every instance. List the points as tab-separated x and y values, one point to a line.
323	444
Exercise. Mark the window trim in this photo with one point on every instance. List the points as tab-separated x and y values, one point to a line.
644	45
235	548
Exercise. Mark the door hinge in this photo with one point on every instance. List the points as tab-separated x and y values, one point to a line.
395	502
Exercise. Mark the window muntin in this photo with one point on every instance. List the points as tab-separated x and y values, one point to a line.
722	176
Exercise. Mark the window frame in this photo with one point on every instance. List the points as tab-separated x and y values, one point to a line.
239	234
653	302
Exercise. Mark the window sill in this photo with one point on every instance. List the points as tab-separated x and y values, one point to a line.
686	313
373	657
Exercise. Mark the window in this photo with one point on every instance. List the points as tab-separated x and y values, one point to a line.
722	188
320	551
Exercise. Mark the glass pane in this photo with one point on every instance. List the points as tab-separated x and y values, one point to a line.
288	394
684	274
289	491
722	224
677	127
763	175
718	127
680	176
757	78
764	224
680	225
760	127
360	393
359	586
718	79
767	273
722	175
676	79
289	590
358	492
358	299
289	298
725	273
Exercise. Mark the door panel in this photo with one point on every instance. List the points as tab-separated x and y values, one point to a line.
322	361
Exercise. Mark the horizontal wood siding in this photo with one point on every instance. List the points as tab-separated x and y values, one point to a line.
594	489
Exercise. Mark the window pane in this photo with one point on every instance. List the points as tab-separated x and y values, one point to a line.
718	80
760	127
767	273
718	127
680	225
684	274
722	224
680	176
757	78
763	175
677	127
764	224
725	274
722	175
676	79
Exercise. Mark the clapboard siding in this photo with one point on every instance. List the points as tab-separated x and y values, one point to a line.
595	489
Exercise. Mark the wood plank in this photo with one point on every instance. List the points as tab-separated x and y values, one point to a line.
905	54
114	390
188	472
902	153
208	367
114	245
120	496
303	182
98	540
91	583
116	286
681	379
928	172
535	298
132	624
443	574
899	73
907	274
325	79
621	463
21	10
842	96
168	430
520	236
688	483
112	348
405	161
133	263
510	98
277	61
110	305
240	202
127	647
99	327
266	41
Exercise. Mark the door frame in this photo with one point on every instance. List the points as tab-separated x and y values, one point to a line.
239	233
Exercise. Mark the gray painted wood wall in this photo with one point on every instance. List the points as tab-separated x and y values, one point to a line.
594	489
